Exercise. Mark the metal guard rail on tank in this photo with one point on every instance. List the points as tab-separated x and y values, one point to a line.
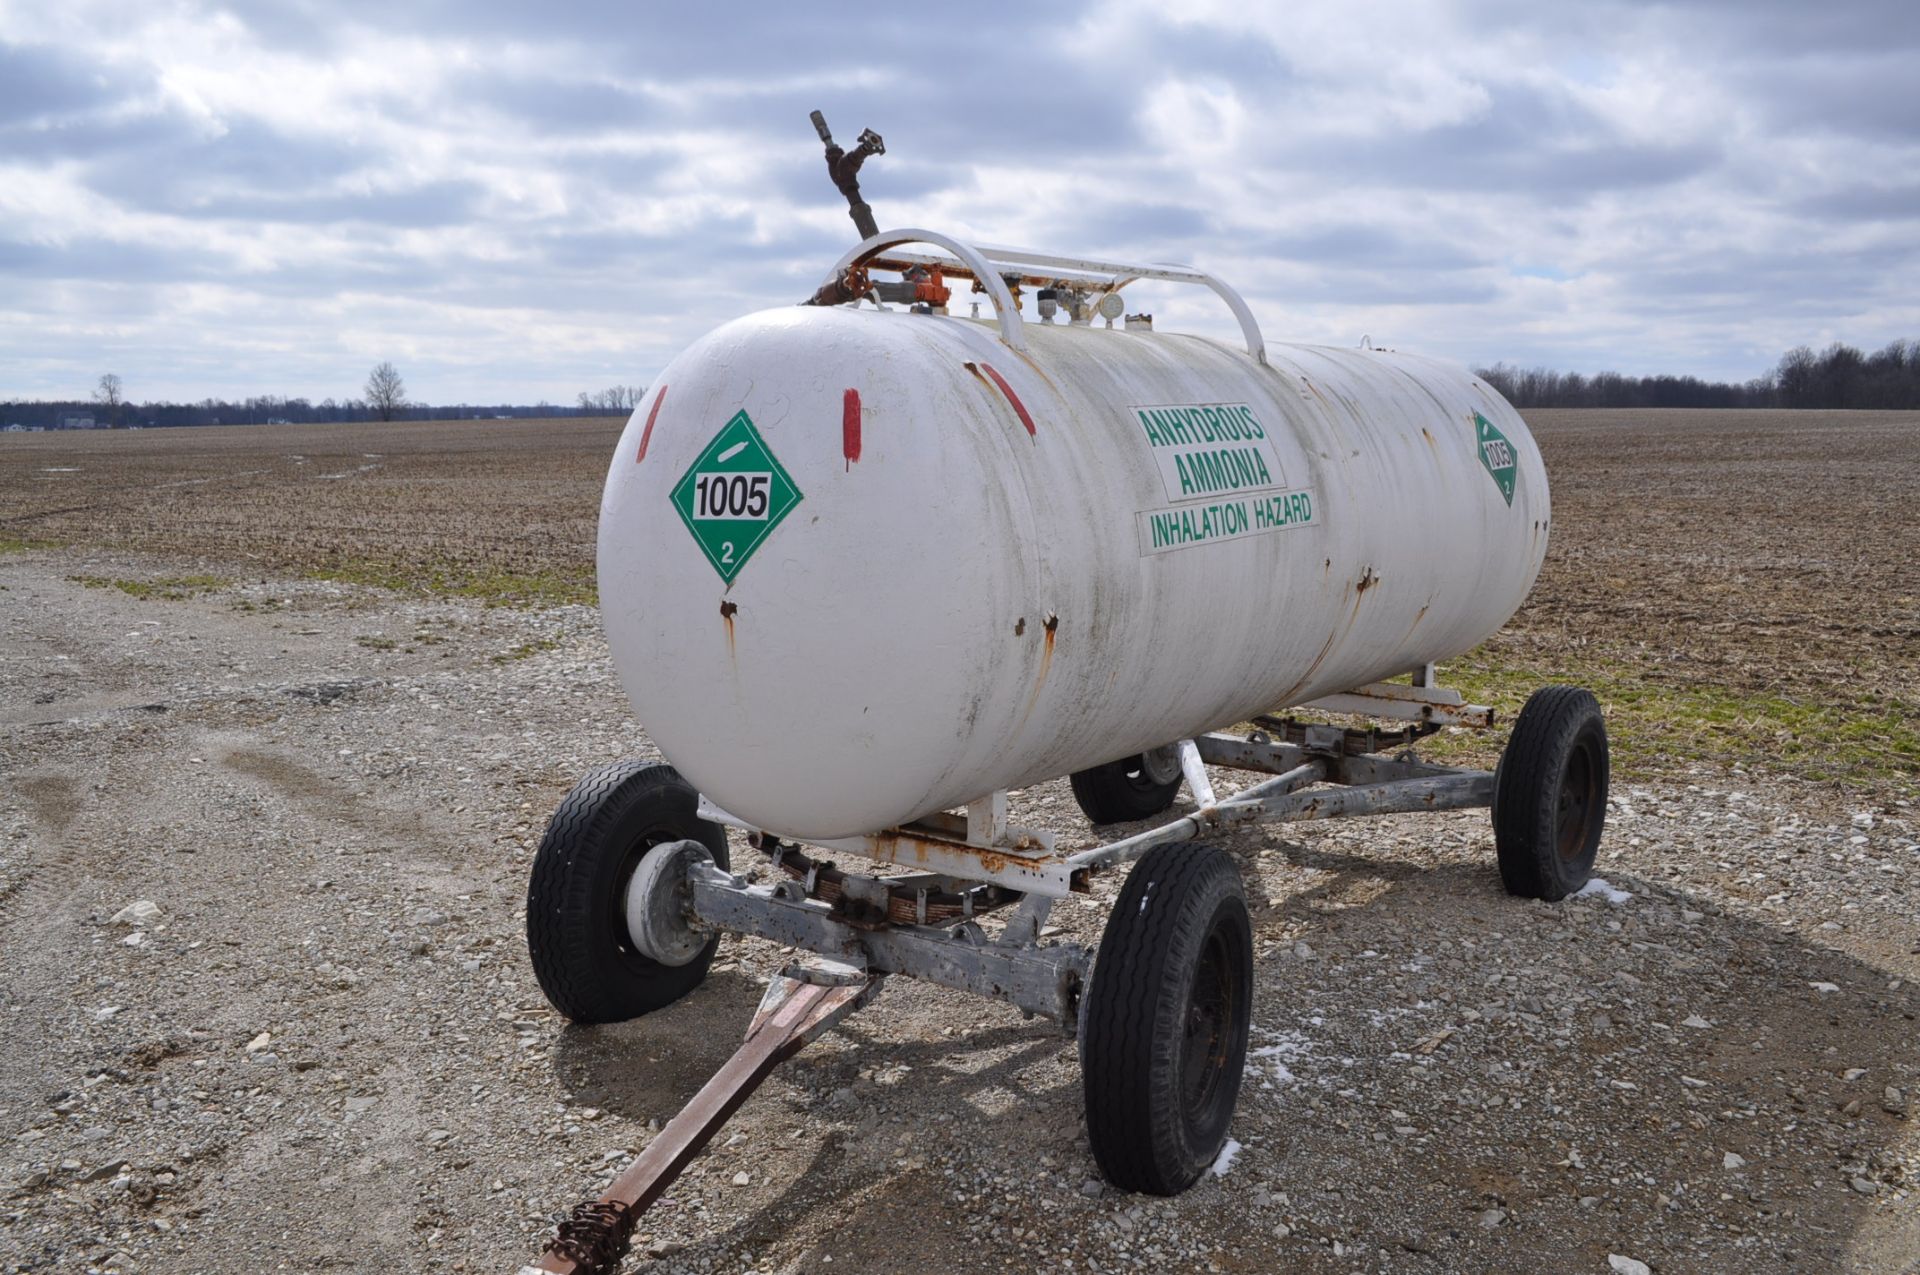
992	268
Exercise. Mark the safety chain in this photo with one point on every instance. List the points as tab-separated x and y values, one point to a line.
596	1237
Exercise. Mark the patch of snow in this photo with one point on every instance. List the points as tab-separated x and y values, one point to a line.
1599	886
1224	1160
1287	1045
1276	1072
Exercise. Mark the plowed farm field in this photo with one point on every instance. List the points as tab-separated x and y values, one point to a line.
1739	586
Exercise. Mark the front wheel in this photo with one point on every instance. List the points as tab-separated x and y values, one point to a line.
577	934
1163	1027
1550	794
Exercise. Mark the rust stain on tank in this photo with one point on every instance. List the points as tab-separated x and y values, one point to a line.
1286	699
1367	581
727	610
1424	433
1020	625
1046	655
1040	679
1038	371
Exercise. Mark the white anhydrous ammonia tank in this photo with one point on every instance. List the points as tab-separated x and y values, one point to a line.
859	566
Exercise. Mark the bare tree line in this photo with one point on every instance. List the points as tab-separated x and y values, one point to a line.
384	399
1840	377
615	398
255	409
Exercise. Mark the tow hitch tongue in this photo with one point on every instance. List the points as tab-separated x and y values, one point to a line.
801	1002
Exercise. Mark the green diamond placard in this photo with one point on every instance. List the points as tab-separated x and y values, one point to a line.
734	495
1496	453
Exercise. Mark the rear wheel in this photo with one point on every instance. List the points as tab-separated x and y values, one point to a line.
1550	794
1137	787
1163	1026
577	934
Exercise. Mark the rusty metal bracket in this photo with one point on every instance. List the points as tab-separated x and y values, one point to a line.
978	846
594	1239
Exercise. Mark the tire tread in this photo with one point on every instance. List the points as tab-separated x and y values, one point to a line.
1536	753
564	949
1123	1011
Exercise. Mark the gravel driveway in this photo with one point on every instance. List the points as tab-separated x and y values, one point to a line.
263	849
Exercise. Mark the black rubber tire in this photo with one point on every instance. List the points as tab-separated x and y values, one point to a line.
1121	791
1164	1021
1550	794
576	896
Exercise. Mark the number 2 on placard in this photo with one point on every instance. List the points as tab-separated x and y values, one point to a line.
726	553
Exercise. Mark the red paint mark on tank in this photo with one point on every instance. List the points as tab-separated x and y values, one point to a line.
646	435
850	426
1012	398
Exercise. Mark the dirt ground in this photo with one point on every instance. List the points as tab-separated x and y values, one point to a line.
322	1048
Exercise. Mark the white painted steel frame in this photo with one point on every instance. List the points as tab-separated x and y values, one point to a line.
1025	860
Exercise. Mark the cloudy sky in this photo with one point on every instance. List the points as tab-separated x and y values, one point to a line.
517	201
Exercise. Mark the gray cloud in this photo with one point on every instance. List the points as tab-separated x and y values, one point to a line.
105	260
1865	203
559	103
40	82
247	161
1871	94
436	203
1367	248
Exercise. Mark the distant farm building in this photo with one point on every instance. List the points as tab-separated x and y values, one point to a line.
76	422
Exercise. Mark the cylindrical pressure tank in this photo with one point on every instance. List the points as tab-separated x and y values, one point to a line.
859	566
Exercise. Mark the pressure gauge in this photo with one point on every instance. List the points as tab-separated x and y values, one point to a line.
1112	306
